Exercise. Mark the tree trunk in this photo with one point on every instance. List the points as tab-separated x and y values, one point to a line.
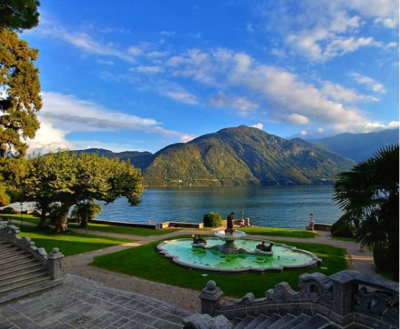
42	223
394	258
61	223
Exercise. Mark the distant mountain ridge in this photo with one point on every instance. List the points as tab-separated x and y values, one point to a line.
237	156
359	146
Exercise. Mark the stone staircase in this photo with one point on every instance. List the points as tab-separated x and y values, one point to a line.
287	321
21	274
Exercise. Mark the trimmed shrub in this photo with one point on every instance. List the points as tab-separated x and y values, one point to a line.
212	219
382	259
8	210
342	229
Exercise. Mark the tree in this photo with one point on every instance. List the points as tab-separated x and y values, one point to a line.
19	94
19	14
369	197
85	211
67	179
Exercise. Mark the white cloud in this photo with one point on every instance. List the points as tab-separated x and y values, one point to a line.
63	114
341	94
242	104
100	61
147	69
296	119
303	133
321	30
369	82
182	96
320	130
258	126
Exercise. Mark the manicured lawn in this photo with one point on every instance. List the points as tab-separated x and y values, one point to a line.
123	229
283	232
96	227
146	262
69	243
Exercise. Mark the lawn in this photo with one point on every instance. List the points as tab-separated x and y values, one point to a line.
283	232
96	227
69	243
146	262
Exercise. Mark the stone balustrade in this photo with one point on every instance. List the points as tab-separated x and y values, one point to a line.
52	261
344	298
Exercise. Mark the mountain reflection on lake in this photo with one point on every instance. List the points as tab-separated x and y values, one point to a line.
277	206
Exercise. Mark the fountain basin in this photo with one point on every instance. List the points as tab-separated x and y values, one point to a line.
211	259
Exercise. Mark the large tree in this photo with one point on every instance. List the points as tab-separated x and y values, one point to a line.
19	14
369	197
66	179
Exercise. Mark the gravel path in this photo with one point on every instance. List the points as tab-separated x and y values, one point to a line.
187	298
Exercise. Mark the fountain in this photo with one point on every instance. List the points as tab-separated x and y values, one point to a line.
235	254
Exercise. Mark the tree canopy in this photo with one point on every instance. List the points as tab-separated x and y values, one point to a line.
67	179
19	14
369	197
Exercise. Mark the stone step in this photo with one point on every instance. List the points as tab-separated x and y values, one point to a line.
6	248
11	253
315	322
16	281
24	283
270	321
282	321
257	321
17	268
17	263
13	259
296	321
29	290
4	280
235	322
246	321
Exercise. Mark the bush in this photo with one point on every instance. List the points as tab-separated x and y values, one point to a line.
212	219
8	210
342	229
382	259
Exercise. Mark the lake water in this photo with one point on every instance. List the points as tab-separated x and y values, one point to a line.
277	206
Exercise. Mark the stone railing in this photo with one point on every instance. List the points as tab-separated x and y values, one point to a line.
52	261
344	298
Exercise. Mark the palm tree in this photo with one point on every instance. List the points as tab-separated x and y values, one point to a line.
369	197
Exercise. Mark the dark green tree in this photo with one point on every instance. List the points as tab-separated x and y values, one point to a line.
19	14
369	197
85	211
66	179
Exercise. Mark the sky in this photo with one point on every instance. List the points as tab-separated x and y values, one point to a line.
141	75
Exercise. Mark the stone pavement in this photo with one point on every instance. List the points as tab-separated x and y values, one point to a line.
82	303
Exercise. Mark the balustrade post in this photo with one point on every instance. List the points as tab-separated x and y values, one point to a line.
343	293
54	264
210	297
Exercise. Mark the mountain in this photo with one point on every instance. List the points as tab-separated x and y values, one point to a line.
360	146
138	159
243	156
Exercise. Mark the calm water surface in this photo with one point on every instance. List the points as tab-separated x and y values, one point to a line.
278	206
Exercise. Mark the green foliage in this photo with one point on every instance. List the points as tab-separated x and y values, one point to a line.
85	211
382	259
19	81
341	228
369	196
19	14
212	219
8	210
67	179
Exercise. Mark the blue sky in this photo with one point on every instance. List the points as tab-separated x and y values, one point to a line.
140	75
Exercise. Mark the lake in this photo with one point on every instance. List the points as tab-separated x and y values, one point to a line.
275	206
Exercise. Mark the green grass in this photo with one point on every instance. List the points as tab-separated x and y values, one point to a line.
69	243
123	229
146	262
340	238
282	232
96	227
